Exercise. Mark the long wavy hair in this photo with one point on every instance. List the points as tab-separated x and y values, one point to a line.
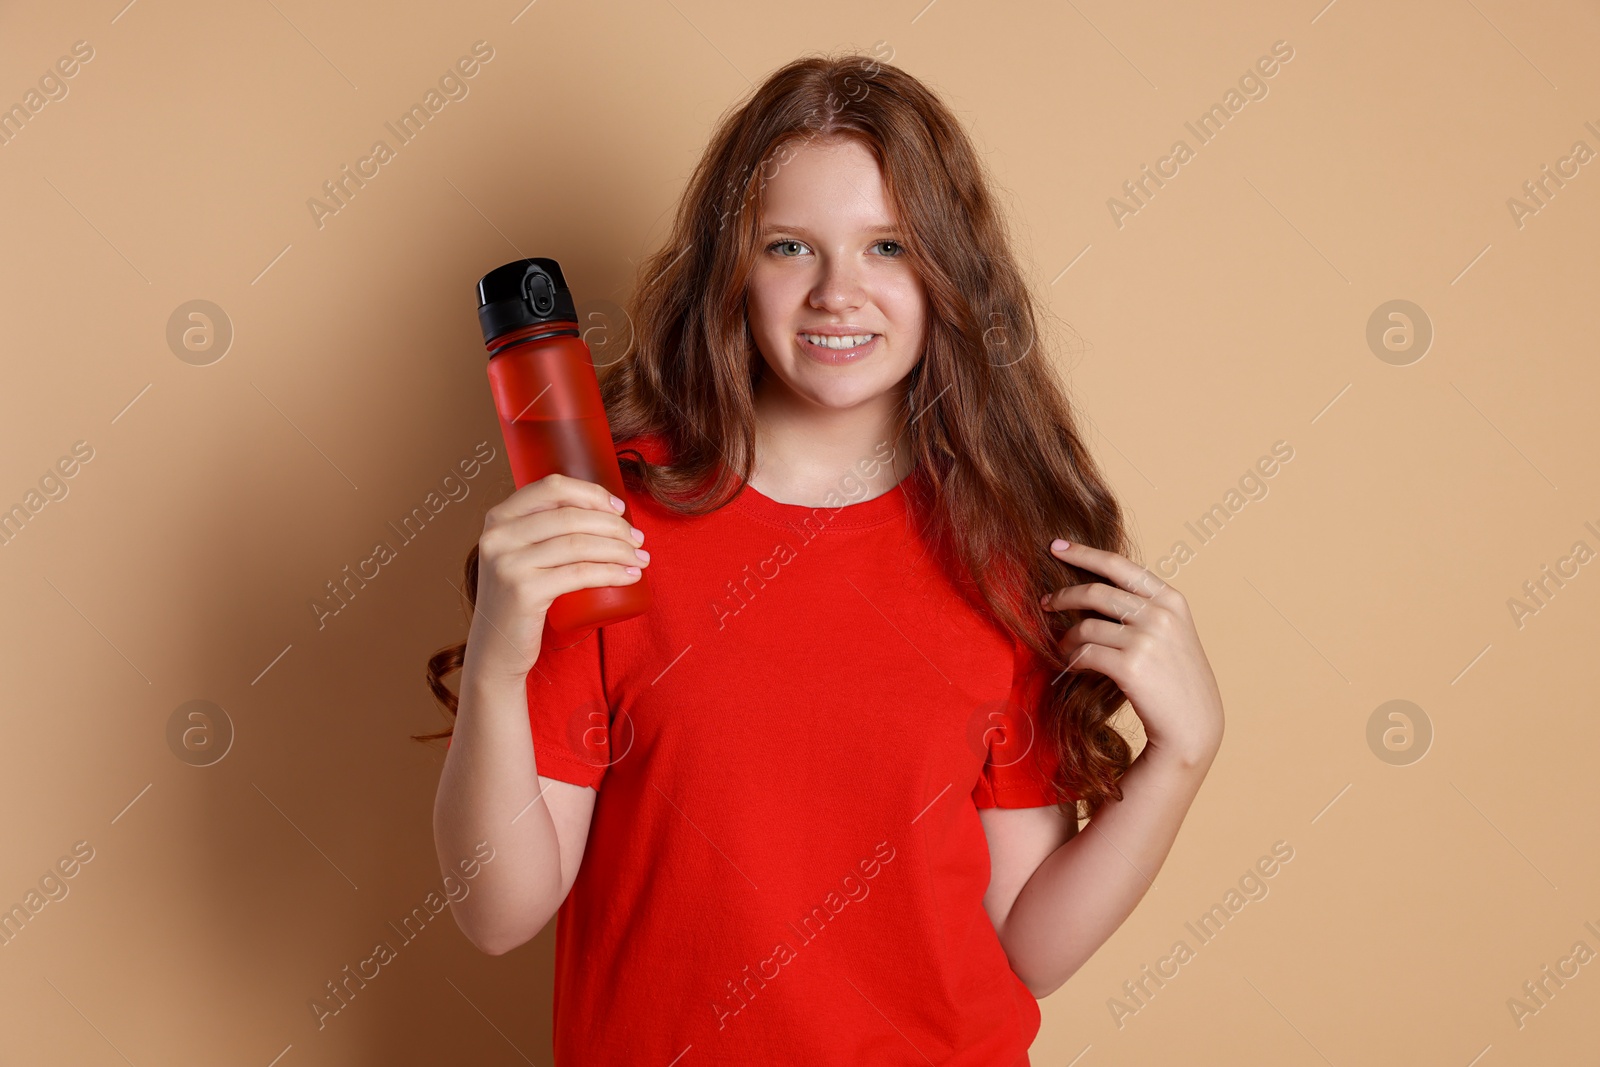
994	437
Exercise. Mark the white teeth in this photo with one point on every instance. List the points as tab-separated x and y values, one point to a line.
827	341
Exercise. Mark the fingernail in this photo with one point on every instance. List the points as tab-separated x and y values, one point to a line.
638	534
1059	545
618	503
642	554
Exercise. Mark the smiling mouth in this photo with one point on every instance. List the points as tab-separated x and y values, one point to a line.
838	343
848	348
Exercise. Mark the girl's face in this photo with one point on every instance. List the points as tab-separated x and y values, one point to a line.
833	304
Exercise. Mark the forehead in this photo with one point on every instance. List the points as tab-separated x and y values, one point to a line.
826	184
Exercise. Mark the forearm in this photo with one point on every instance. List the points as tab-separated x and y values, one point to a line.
1084	890
490	775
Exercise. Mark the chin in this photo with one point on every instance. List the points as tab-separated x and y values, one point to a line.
841	396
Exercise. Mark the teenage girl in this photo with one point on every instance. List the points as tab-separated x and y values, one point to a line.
820	804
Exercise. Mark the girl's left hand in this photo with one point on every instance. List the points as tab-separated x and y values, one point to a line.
1152	651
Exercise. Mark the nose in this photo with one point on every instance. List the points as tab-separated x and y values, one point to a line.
839	288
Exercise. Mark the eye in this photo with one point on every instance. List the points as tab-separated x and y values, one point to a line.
899	249
784	242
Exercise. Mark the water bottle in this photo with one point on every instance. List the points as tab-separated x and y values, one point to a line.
548	399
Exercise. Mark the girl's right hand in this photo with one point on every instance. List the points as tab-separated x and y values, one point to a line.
552	536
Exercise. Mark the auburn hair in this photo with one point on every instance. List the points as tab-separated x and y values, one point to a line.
994	436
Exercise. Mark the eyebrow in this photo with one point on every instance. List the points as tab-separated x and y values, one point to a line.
773	227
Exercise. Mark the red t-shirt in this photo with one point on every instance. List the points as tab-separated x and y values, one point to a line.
785	862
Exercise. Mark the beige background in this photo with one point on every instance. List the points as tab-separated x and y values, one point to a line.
1229	313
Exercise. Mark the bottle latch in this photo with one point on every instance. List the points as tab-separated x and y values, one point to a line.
538	291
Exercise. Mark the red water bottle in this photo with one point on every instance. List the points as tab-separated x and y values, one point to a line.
551	416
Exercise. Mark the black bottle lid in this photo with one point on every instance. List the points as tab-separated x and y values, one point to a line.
523	293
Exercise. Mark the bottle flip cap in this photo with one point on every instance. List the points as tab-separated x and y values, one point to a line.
524	293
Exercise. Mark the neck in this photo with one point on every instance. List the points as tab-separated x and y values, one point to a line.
804	451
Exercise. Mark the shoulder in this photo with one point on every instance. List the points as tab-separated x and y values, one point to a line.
656	450
652	445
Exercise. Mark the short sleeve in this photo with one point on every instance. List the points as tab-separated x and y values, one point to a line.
568	713
1021	755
